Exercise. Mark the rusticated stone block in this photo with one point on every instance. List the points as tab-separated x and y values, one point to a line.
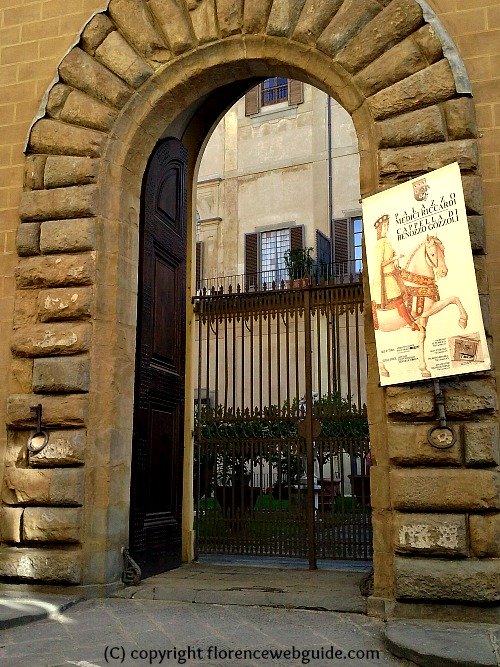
482	444
28	486
65	448
423	126
409	446
283	17
73	106
118	56
172	16
61	375
204	18
428	86
416	402
56	565
52	524
66	170
315	16
25	307
429	43
256	15
349	20
62	411
34	167
449	490
417	159
54	137
396	64
485	535
477	233
65	304
395	22
28	239
59	203
81	71
463	398
41	340
135	23
95	32
460	118
431	534
77	235
56	271
230	16
473	194
21	375
439	579
10	524
481	274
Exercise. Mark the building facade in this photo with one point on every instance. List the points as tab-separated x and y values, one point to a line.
86	97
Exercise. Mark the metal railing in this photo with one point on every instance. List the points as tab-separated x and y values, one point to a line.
339	273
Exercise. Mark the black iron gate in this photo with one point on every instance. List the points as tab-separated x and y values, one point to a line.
281	435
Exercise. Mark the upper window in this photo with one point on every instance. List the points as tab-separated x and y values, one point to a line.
275	90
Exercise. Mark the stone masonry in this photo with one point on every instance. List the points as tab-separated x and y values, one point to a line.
133	68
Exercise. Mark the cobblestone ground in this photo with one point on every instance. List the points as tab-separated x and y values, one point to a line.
153	632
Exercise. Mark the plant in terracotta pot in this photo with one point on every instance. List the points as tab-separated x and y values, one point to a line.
299	264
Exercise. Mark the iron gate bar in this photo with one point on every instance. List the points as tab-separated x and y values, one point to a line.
253	434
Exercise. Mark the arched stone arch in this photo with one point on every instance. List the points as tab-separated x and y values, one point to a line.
141	69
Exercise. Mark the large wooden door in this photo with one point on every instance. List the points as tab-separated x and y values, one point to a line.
156	485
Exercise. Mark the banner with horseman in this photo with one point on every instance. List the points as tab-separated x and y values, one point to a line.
424	298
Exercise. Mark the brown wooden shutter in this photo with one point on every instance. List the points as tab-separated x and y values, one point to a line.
199	264
341	246
297	237
295	92
252	101
251	261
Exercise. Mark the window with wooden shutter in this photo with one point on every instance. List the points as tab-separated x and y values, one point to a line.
251	261
295	92
341	246
297	237
252	101
323	255
199	265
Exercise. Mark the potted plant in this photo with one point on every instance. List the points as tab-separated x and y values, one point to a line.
299	264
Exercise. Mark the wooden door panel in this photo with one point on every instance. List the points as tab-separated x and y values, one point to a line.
156	486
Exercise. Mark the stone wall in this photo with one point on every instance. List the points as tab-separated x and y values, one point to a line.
68	301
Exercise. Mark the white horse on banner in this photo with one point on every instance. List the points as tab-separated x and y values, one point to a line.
425	265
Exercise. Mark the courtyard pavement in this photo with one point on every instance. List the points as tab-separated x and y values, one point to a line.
223	615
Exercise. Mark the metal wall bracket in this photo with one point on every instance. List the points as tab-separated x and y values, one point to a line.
40	438
442	435
131	574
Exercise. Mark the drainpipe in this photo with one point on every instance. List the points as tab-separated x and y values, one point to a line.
330	179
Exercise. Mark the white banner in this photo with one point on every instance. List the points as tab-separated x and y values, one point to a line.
425	303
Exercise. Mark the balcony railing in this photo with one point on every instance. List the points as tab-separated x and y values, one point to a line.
339	273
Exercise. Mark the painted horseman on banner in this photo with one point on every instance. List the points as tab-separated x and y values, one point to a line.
409	296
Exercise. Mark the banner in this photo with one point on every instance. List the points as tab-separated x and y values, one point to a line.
425	304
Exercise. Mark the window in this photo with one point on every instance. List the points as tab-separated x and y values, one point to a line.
348	248
265	255
274	90
273	246
357	244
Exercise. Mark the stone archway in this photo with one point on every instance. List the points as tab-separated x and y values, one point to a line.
140	69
